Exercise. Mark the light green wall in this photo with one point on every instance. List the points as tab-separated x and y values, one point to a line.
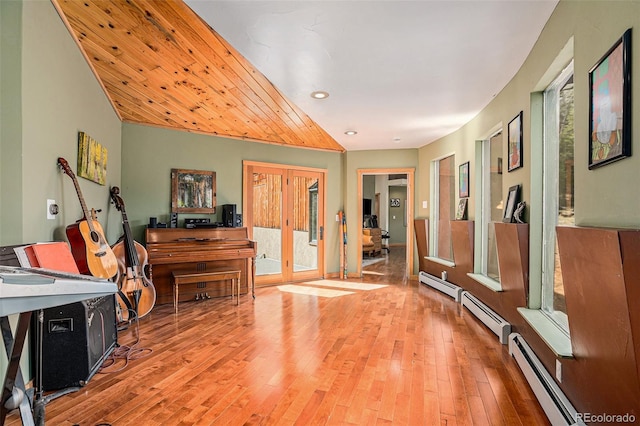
603	197
369	187
48	94
51	94
397	224
355	160
10	122
150	153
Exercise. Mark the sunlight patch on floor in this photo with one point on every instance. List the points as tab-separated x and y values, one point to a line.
312	291
346	284
372	273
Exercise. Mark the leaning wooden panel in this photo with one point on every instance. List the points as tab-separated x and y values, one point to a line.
512	240
422	241
462	240
630	249
595	287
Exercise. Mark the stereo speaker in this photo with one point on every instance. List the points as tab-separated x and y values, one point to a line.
174	220
229	215
76	339
238	220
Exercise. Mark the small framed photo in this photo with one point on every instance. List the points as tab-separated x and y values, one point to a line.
193	191
512	201
515	143
463	180
394	202
461	213
610	105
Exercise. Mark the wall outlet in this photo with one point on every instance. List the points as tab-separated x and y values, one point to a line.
559	370
52	209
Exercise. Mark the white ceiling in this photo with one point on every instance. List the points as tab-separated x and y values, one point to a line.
400	73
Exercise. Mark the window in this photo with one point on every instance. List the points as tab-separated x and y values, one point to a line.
443	208
493	204
313	213
558	189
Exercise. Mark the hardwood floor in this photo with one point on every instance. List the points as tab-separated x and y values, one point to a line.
403	354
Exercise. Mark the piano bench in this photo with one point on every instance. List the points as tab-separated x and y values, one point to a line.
205	276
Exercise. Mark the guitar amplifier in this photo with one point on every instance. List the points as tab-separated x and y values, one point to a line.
76	339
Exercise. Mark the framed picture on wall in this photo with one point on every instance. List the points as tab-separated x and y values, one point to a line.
92	159
515	143
193	191
610	105
512	201
463	180
461	212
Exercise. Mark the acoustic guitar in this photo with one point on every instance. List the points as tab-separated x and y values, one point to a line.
89	247
136	290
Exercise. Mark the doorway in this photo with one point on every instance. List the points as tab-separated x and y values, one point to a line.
284	214
387	181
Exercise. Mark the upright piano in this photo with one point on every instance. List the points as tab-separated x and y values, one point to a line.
198	250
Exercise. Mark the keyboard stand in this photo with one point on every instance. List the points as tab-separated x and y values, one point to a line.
14	388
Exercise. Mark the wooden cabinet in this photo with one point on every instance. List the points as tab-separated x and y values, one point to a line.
376	238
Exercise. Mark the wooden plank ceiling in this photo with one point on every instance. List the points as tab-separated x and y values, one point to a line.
160	64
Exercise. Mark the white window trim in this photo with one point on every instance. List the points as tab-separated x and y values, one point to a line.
440	261
486	281
434	211
483	157
550	203
549	331
556	338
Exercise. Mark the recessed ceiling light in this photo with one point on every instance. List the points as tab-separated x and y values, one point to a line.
319	94
350	132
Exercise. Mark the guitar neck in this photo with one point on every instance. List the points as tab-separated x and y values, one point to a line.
85	210
130	249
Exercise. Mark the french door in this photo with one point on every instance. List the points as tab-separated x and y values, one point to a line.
284	214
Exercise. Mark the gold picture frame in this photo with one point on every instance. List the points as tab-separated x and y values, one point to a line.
193	191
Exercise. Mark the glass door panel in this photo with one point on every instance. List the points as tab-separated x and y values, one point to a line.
285	217
267	222
306	223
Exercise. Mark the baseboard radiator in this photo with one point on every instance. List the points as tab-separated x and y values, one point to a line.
443	286
555	405
492	320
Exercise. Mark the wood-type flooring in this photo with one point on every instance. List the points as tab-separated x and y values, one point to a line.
403	354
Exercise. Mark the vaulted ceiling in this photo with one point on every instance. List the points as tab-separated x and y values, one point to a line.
400	73
161	65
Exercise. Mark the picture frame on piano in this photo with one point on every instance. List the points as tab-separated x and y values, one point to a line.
193	191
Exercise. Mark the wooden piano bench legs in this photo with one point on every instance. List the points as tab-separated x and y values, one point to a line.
206	276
